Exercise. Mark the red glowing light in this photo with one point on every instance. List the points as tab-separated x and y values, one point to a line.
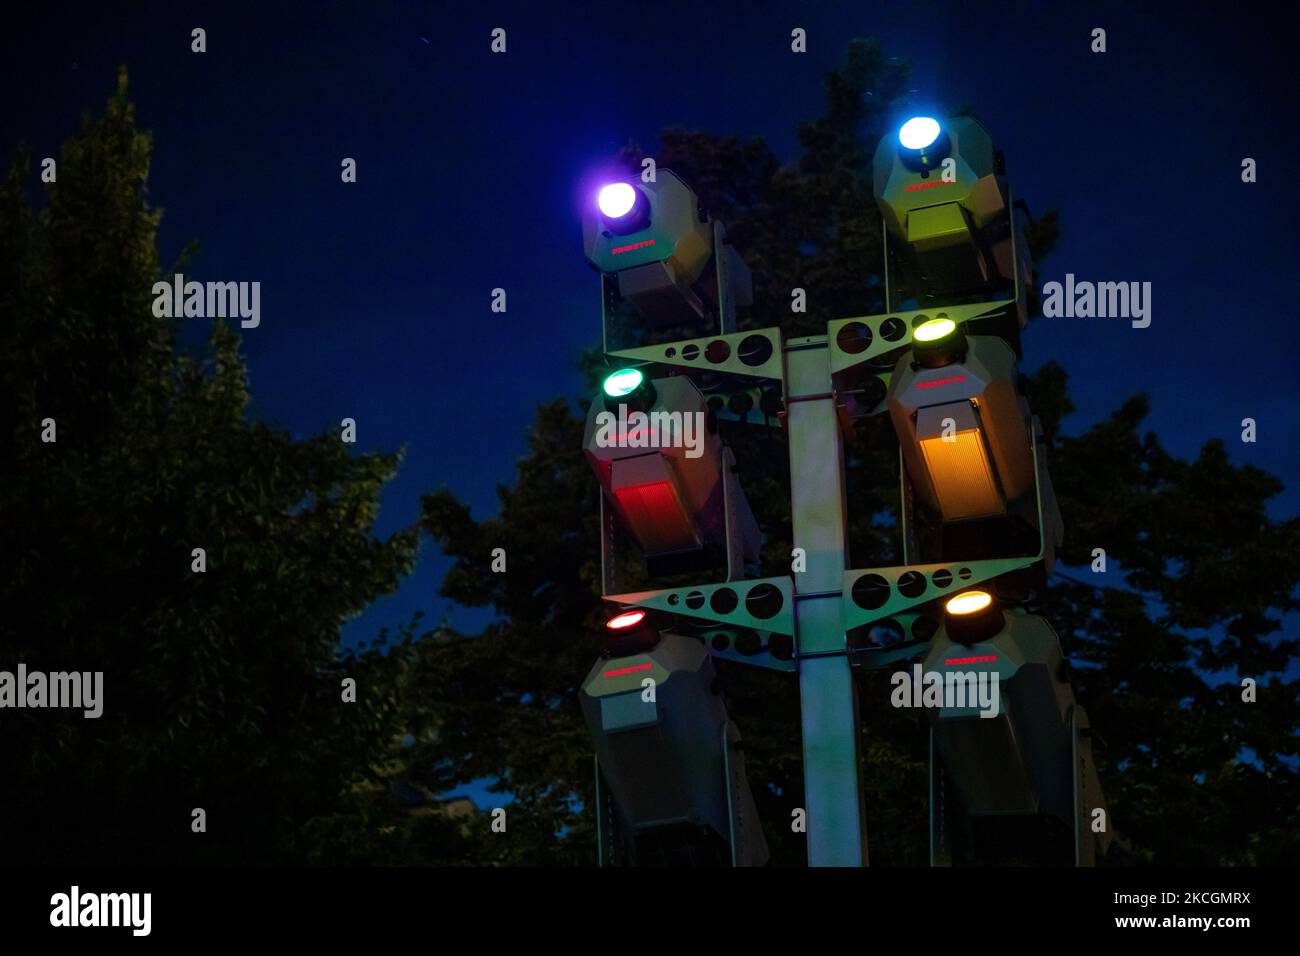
658	516
981	659
929	185
625	620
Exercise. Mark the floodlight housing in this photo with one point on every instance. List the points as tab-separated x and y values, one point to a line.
671	758
667	269
963	429
974	455
954	218
1026	771
1018	760
670	496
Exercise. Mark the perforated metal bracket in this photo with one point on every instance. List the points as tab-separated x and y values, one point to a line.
875	594
765	604
725	643
756	353
856	341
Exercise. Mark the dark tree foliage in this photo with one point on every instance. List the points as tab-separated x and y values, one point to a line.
1192	599
1194	774
221	690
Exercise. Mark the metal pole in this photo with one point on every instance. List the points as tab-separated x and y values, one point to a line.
827	695
726	775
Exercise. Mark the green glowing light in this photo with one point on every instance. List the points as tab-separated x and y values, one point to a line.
934	330
623	382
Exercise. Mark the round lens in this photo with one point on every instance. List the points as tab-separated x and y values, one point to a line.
616	200
969	602
623	621
918	132
934	330
623	382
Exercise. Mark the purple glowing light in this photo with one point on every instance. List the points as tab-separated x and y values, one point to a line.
616	200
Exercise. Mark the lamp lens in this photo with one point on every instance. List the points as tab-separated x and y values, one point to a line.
616	200
625	620
918	132
968	602
623	382
934	330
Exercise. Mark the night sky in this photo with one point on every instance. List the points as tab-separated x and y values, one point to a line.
375	296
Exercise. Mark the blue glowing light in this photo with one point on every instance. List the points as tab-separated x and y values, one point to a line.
919	132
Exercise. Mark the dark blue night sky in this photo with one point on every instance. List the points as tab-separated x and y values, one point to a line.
375	296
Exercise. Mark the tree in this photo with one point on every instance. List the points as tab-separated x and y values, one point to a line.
1180	756
222	689
1194	774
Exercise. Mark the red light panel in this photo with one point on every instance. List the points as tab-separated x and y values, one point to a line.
658	517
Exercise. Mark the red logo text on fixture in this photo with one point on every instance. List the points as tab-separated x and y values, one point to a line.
950	380
627	670
636	245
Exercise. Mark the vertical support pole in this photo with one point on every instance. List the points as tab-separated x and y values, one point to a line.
600	816
884	247
941	830
827	695
729	783
936	810
735	561
910	550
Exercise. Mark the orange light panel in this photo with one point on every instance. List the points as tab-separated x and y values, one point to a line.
962	477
